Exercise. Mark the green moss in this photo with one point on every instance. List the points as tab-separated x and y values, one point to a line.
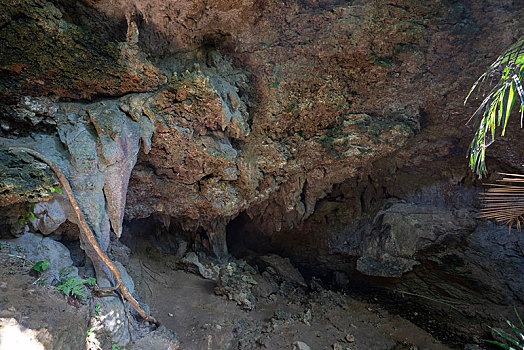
37	47
23	179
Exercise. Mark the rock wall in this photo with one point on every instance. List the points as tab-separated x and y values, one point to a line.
298	118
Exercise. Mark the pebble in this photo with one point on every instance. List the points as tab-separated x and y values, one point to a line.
350	338
300	345
170	314
337	346
3	285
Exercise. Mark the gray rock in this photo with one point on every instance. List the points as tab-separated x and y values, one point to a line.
120	252
207	270
114	320
161	338
235	281
404	229
128	281
282	268
299	345
38	248
51	214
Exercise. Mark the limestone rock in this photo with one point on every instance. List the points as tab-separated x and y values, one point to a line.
282	268
40	248
161	338
300	345
404	229
236	282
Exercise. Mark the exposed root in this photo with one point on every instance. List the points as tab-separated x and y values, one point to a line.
88	236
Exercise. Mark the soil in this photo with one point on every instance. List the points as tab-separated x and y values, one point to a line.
34	316
283	315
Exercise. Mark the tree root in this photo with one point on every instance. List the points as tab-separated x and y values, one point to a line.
88	236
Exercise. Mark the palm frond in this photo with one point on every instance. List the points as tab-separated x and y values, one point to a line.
508	340
504	201
496	107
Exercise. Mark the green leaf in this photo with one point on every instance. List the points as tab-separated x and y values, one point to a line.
515	329
507	105
52	189
58	190
73	286
518	316
496	106
41	266
507	337
504	346
32	206
31	217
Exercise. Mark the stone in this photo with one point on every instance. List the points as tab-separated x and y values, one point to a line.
236	282
207	269
338	346
161	338
401	231
77	64
300	345
128	281
39	248
51	214
282	268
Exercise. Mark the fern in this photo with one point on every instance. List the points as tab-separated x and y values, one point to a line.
75	287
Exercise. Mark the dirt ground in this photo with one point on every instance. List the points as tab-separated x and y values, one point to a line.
34	316
284	314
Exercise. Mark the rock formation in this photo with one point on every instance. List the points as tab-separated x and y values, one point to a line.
278	126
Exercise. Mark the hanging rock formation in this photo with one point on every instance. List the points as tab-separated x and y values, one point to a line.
298	120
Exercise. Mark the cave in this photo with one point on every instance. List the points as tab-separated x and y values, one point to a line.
256	174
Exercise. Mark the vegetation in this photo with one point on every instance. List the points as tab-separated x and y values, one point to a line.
504	201
41	266
495	109
28	215
75	287
511	342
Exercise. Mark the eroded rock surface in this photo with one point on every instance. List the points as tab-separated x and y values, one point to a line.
296	119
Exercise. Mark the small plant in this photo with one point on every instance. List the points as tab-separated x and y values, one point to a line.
511	342
28	215
56	189
41	266
98	310
74	287
115	347
495	109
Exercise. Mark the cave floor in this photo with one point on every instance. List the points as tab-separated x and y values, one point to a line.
322	319
186	303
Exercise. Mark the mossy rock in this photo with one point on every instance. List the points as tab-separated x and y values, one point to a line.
23	179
